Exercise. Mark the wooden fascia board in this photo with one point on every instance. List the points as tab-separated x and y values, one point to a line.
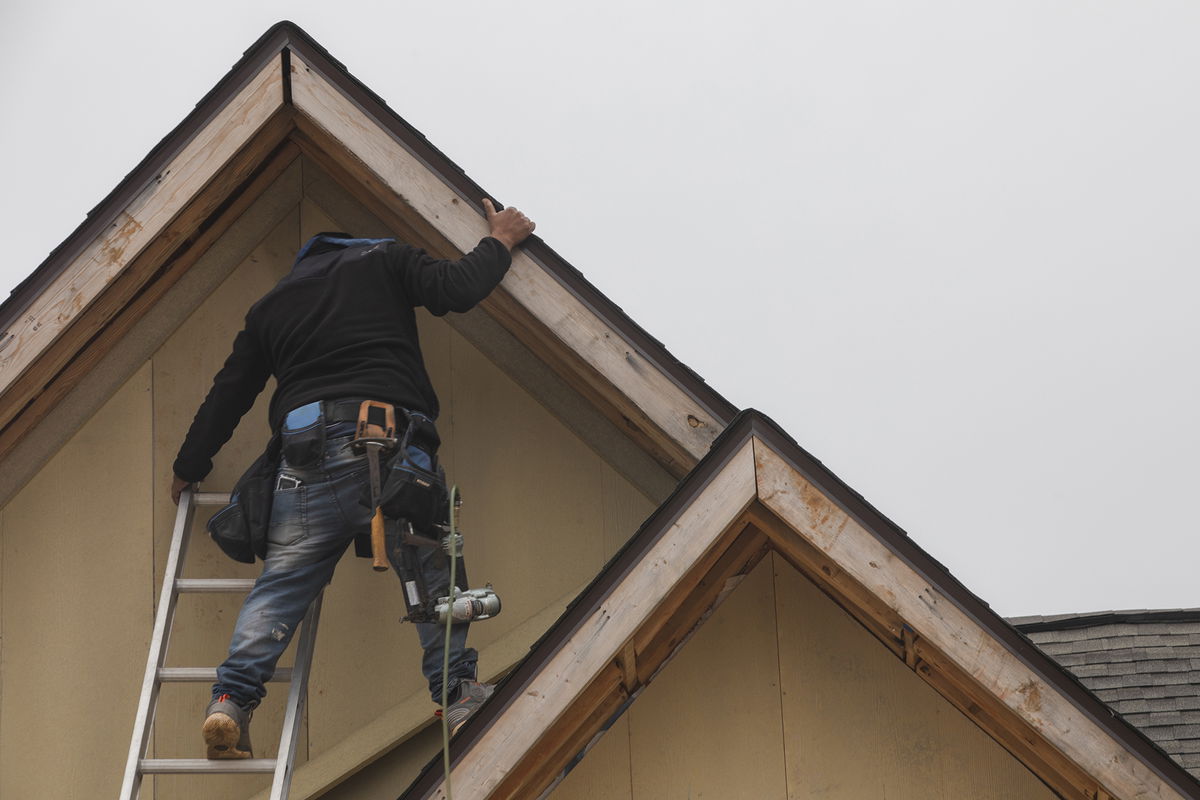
532	302
145	280
136	225
614	620
1020	707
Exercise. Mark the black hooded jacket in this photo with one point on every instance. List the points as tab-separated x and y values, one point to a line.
340	324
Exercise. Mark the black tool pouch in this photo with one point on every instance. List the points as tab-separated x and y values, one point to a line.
240	528
415	485
303	434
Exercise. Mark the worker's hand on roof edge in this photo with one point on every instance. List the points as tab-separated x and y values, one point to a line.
178	484
509	226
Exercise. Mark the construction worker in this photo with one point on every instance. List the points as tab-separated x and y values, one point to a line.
338	329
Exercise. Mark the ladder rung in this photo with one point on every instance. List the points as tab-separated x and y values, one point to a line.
209	674
214	584
211	498
176	766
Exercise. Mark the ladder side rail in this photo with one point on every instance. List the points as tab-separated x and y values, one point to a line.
164	618
297	696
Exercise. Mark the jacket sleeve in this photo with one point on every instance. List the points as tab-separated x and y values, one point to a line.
234	389
443	286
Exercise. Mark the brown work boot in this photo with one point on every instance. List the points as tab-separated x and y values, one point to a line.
227	729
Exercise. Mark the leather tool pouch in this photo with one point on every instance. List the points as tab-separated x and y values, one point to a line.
240	528
415	485
304	436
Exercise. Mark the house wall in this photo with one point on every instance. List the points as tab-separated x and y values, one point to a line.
85	541
781	694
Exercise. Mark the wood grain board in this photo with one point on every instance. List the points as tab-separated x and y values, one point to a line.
141	222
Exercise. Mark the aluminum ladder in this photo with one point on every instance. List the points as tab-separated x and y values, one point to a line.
137	764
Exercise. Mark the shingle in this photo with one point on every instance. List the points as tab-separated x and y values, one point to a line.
1104	682
1162	704
1165	718
1127	707
1155	640
1111	656
1182	732
1175	627
1169	746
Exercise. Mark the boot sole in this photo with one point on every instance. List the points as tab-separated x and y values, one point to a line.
221	734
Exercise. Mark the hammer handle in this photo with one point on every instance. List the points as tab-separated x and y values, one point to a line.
378	559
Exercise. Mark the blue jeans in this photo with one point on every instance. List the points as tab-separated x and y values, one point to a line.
312	523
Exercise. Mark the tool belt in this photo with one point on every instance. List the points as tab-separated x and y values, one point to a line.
415	485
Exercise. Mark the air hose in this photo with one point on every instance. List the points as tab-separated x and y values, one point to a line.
453	553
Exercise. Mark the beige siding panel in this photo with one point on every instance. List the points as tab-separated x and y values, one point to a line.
858	723
389	776
76	606
625	509
532	514
184	367
709	724
605	773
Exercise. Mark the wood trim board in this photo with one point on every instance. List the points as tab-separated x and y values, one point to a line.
143	220
96	329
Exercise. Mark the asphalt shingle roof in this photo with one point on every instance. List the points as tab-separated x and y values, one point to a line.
1144	664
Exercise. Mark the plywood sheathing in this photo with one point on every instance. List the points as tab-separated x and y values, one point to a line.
76	603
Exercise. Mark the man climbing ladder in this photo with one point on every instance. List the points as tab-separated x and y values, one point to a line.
338	330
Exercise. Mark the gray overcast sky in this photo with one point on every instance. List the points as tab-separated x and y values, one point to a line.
950	247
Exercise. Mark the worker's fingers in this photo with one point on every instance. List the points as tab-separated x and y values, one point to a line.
510	226
488	207
177	486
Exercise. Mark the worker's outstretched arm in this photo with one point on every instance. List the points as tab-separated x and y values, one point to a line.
232	394
443	286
